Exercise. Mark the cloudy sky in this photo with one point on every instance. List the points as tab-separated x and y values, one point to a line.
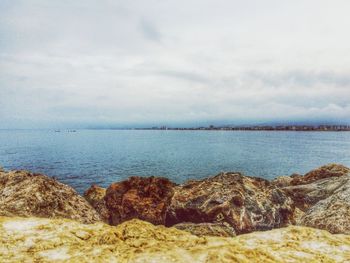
87	63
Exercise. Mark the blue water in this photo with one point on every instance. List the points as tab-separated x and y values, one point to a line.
104	156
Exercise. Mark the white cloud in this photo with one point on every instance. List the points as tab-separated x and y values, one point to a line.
133	62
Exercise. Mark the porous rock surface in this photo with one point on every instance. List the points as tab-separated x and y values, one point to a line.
145	198
207	229
95	196
245	203
62	240
27	194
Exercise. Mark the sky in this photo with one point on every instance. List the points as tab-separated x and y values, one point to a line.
110	63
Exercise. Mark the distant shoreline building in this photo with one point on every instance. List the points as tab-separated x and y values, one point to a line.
260	128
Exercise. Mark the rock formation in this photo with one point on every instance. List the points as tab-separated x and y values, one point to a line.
232	201
331	213
326	171
322	197
305	196
95	196
27	194
62	240
210	211
223	205
318	184
246	203
145	198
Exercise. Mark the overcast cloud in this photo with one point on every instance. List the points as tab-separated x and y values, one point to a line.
107	62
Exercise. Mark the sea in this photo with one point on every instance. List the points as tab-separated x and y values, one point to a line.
84	157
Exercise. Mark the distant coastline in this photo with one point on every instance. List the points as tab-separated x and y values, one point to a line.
298	127
256	128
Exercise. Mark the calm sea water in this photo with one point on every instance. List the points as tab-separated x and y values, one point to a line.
104	156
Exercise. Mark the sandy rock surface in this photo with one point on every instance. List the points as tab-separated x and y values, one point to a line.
62	240
207	229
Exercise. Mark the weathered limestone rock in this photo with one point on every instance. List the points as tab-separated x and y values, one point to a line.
207	229
144	198
246	203
316	185
62	240
26	194
95	196
332	213
307	195
321	197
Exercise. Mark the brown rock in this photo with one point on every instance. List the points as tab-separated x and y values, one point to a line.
245	203
326	171
333	212
26	194
139	197
207	229
95	196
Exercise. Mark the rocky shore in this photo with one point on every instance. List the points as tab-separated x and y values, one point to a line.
62	240
229	217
